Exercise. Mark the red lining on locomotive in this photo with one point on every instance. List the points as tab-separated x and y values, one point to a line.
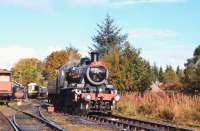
98	64
101	96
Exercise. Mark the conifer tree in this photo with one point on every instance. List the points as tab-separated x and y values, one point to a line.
161	75
179	72
171	79
108	37
192	73
155	72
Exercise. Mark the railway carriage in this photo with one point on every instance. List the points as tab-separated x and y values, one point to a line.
33	90
81	86
36	91
5	85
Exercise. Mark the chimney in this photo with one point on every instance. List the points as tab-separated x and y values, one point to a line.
94	56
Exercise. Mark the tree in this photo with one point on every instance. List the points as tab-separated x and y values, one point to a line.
179	72
171	79
155	73
58	58
128	71
161	75
28	70
114	63
192	73
108	37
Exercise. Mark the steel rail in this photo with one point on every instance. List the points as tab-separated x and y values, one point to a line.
45	121
10	122
165	126
49	121
15	124
135	124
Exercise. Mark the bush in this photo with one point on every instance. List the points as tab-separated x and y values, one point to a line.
178	108
167	114
145	109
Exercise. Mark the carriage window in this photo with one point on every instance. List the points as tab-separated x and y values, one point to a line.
5	77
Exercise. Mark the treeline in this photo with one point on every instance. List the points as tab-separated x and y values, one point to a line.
128	71
30	70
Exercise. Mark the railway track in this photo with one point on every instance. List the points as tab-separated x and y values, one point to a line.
130	124
24	121
124	123
6	124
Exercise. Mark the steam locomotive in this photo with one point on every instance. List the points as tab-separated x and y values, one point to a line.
82	87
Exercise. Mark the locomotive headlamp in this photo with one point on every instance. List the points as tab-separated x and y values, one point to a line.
88	98
115	91
100	89
117	98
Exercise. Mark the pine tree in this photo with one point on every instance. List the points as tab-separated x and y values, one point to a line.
161	75
192	73
179	72
171	79
155	73
108	37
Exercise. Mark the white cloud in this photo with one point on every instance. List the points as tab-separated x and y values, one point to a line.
168	54
47	5
130	2
122	2
152	33
89	2
30	4
10	55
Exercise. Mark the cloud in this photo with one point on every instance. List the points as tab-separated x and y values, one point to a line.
168	54
10	55
161	46
130	2
152	33
122	2
30	4
89	2
47	5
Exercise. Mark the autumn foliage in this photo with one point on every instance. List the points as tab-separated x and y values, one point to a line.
58	58
28	70
171	107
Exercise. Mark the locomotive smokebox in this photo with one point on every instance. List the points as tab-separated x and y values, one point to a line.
94	56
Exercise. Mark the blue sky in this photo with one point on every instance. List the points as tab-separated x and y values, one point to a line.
166	31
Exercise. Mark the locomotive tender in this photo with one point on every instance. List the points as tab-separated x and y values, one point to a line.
81	87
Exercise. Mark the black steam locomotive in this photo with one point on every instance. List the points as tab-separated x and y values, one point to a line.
81	86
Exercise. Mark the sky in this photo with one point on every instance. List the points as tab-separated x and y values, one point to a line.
166	31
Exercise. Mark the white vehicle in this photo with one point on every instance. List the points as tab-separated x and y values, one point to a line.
33	90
